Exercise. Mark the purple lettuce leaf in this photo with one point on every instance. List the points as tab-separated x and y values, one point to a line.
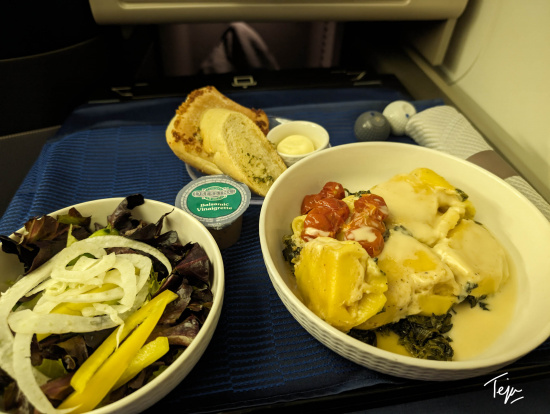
175	309
121	219
196	264
181	334
44	237
59	388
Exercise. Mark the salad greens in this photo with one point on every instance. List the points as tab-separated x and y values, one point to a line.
59	356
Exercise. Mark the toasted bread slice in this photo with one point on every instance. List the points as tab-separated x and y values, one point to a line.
184	136
240	149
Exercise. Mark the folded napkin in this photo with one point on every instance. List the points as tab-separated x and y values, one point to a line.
443	128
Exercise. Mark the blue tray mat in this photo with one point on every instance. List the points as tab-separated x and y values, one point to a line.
259	354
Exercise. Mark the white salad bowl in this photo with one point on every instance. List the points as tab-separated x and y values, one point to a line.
189	230
514	221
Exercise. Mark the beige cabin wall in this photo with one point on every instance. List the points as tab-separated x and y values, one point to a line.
497	72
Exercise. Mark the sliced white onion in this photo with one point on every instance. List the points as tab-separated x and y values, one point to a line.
25	375
8	300
110	311
108	295
118	241
128	281
27	321
144	264
40	378
44	306
57	287
42	286
61	283
141	297
71	290
84	263
63	273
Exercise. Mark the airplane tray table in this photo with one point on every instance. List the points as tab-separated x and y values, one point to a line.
259	357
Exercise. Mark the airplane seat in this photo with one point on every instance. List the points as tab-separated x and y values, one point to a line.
51	54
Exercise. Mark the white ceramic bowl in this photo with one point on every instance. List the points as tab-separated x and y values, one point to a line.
514	221
189	230
315	132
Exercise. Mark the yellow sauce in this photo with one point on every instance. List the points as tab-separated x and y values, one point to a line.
389	342
295	145
474	329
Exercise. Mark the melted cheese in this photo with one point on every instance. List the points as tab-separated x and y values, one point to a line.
475	257
418	281
364	233
313	232
424	203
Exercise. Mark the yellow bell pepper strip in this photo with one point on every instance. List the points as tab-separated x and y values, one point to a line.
103	380
92	364
148	354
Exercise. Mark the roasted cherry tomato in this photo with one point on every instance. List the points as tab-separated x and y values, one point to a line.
321	221
367	231
334	190
339	207
327	215
330	190
325	219
364	220
373	204
373	242
366	225
309	202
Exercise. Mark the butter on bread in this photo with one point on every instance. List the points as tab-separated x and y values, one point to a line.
240	149
183	134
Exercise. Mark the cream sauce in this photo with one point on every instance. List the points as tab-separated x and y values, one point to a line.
474	329
475	256
416	210
419	208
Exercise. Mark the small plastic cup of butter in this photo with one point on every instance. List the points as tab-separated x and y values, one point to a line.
219	203
295	140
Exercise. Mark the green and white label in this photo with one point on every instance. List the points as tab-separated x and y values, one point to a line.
214	200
